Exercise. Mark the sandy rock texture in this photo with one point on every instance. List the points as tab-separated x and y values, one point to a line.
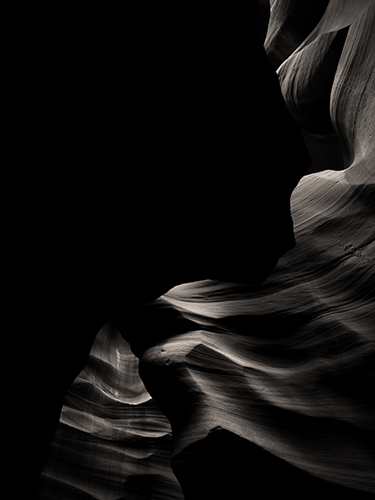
289	366
248	386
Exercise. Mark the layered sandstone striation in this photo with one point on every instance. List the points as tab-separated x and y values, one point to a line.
288	366
112	441
266	387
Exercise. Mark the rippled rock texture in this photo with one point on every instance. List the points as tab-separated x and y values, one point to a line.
112	441
266	387
288	367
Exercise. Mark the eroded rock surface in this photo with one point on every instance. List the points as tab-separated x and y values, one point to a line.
274	379
289	366
112	440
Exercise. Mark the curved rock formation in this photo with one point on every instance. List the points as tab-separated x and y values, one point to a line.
311	74
291	21
93	229
266	386
112	441
288	366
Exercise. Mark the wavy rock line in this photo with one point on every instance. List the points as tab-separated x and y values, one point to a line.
112	441
286	366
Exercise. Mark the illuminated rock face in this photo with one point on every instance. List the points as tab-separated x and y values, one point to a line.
286	366
321	79
112	441
266	387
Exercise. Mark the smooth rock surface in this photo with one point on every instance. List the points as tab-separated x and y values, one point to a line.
289	366
112	441
274	378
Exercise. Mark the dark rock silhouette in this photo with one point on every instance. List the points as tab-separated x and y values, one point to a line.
171	157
